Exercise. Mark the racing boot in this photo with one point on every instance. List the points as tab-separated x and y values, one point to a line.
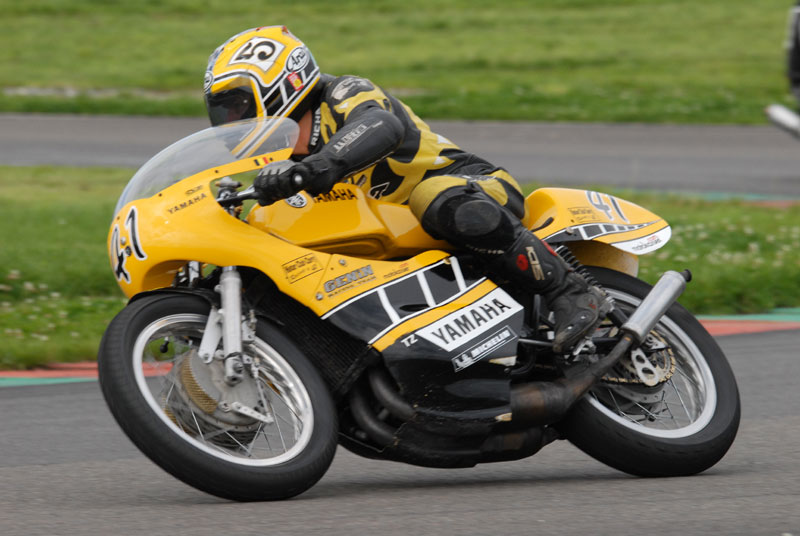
577	306
471	219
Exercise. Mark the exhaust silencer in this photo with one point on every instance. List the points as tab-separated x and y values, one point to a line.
658	300
541	403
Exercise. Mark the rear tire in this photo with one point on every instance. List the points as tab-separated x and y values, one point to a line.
143	361
689	429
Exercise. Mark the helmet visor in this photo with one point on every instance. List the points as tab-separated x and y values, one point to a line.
231	105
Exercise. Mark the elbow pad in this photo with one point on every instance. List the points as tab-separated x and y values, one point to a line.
367	138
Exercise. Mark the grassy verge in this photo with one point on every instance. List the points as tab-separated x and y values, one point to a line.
57	293
715	61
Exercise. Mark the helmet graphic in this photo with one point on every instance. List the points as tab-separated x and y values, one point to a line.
260	72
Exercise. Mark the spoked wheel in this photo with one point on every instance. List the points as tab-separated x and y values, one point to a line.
670	409
271	436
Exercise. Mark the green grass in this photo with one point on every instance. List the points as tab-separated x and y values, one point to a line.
744	258
715	61
57	293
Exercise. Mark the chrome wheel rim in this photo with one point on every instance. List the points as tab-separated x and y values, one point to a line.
278	386
685	402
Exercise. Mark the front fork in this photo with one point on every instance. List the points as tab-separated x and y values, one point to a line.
228	324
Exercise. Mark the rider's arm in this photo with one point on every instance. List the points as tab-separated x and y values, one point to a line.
369	132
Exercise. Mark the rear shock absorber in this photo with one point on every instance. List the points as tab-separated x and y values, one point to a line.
570	258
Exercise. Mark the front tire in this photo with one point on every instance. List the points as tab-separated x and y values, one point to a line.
680	427
176	410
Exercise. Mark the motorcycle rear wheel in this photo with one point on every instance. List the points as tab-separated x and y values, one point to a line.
678	428
166	400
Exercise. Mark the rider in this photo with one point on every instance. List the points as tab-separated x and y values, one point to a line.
793	51
352	131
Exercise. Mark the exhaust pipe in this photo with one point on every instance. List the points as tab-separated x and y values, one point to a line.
541	403
430	450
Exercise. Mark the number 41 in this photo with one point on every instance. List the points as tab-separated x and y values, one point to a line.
609	208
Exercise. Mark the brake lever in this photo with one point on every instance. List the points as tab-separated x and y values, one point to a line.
238	198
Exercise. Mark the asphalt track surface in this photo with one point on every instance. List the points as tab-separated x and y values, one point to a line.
66	468
741	160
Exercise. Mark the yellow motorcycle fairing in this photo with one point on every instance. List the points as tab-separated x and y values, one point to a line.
600	229
151	239
346	221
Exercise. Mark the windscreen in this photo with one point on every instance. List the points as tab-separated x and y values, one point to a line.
206	149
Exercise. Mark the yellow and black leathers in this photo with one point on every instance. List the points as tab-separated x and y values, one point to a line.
366	137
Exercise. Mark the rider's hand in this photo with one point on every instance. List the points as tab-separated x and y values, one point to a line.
272	185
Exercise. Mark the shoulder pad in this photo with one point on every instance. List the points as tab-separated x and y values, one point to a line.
347	86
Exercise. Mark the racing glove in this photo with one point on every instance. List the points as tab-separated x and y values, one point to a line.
272	185
314	174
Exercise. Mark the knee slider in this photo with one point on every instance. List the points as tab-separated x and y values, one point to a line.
471	219
477	217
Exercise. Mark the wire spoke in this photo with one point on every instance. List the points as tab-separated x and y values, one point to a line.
680	398
279	393
688	378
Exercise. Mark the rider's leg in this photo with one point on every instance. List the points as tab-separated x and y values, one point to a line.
482	214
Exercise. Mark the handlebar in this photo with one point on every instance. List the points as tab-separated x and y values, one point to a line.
227	198
238	198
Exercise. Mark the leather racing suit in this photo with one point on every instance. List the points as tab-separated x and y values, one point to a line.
366	137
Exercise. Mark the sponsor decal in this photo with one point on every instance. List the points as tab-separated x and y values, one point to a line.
349	280
208	79
301	267
337	194
583	214
402	269
196	189
298	58
296	201
462	326
316	128
188	203
351	137
345	86
121	249
408	341
647	243
259	52
536	268
377	191
522	262
295	80
491	343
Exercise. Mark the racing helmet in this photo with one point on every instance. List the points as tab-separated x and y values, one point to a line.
260	72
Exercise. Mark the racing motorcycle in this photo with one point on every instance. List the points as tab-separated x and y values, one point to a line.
256	338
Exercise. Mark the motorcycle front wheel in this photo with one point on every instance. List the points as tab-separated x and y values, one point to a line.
270	437
680	426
